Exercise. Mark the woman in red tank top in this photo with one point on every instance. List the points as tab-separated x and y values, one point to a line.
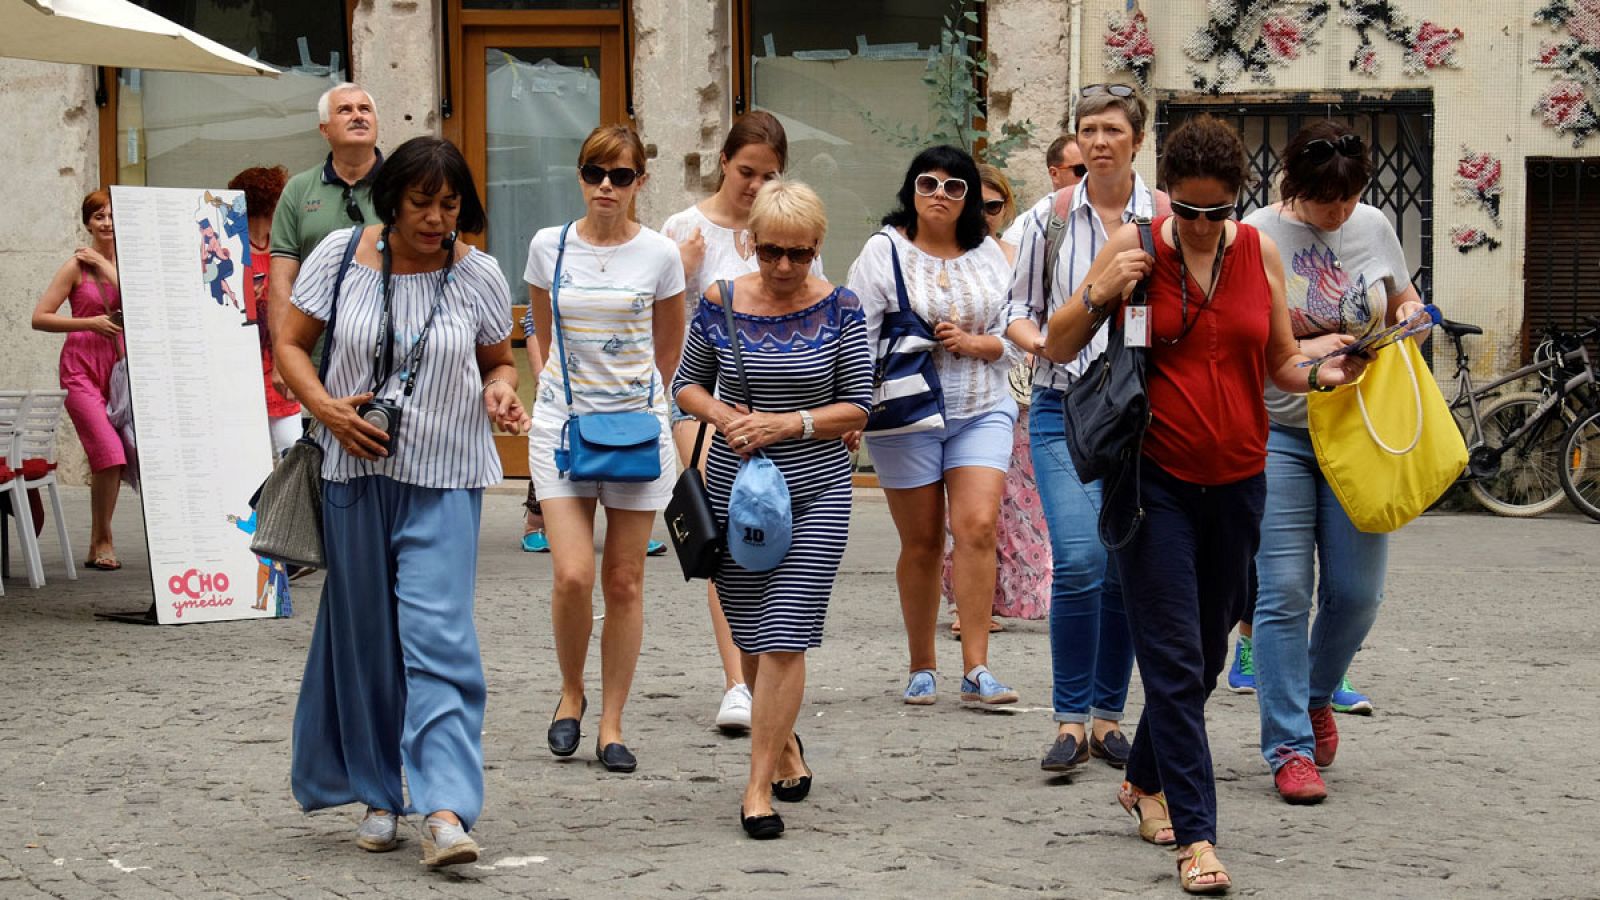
1219	329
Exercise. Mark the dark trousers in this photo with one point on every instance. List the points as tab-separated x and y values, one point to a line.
1185	581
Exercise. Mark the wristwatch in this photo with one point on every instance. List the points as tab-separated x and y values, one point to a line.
1095	310
808	425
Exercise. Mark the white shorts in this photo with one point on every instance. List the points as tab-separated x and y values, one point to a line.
638	495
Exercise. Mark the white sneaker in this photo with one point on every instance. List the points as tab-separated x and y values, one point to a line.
733	716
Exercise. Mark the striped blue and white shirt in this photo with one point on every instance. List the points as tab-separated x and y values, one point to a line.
444	439
1083	238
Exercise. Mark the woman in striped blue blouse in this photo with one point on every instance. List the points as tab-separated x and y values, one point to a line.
393	692
805	355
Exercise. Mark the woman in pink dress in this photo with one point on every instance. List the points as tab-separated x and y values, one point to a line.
94	343
1022	540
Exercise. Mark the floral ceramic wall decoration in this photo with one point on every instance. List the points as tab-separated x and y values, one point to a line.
1248	38
1467	239
1128	44
1477	182
1570	105
1427	45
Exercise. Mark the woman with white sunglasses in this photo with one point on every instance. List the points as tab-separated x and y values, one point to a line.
935	244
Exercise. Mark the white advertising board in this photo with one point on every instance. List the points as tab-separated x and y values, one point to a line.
200	414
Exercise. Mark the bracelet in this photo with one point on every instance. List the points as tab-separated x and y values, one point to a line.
494	380
1088	305
1311	380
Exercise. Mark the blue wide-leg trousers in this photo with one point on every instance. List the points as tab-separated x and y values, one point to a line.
394	682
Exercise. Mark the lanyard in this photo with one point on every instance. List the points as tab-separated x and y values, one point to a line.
1183	280
383	352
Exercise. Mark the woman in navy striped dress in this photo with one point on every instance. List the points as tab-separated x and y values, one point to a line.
804	348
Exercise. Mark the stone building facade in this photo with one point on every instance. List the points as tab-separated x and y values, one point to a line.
1482	113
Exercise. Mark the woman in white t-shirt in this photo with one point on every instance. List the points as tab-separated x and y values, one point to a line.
714	243
620	295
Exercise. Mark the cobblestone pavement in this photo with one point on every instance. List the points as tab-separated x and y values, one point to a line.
151	762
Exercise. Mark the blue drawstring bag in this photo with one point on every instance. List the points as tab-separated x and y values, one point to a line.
760	521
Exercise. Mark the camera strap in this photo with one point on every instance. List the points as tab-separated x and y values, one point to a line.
383	354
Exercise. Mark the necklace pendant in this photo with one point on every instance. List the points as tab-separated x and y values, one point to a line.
1337	264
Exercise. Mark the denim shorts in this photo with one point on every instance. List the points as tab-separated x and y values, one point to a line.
922	458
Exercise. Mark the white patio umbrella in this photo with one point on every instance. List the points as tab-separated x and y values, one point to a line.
113	33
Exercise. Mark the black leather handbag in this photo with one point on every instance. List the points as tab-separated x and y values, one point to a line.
1106	412
692	523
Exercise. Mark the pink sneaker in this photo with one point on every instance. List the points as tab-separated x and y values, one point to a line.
1326	735
1299	782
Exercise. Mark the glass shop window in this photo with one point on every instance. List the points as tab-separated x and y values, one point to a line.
178	129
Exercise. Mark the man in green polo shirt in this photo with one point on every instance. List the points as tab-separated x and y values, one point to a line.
326	198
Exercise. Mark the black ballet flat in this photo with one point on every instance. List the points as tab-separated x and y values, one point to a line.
616	757
564	734
762	828
793	790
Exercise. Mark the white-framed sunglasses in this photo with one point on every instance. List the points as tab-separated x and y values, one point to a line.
927	184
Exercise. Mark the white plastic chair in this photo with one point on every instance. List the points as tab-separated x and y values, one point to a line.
11	403
33	449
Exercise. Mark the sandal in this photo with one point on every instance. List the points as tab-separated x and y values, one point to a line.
1149	828
1191	869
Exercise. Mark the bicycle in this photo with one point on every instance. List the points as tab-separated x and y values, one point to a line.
1580	470
1516	442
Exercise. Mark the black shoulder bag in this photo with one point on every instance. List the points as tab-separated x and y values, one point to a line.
1106	412
691	520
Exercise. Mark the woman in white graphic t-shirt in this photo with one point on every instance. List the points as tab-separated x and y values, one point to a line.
620	295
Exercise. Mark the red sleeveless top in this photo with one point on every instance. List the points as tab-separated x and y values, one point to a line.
1208	423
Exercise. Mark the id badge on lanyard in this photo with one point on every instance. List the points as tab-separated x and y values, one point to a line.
1135	325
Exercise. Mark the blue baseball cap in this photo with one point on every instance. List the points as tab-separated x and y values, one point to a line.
760	523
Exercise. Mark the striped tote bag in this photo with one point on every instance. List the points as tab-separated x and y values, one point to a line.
907	396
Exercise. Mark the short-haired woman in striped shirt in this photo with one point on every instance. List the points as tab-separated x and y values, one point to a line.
393	691
804	352
958	281
620	295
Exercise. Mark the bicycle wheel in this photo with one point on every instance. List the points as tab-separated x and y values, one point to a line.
1580	469
1529	480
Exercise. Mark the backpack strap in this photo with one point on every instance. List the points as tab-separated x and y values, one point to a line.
1054	229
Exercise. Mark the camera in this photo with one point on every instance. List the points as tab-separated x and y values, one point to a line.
384	414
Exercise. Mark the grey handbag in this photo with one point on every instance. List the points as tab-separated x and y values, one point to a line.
288	504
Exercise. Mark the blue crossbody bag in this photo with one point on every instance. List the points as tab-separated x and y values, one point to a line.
621	446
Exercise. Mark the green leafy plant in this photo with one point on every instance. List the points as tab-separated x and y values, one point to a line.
953	74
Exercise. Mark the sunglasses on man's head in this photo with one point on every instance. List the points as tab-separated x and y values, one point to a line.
1212	213
351	207
771	253
1321	150
994	207
595	175
1114	89
927	185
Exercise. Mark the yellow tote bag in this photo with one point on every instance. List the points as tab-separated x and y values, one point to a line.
1387	444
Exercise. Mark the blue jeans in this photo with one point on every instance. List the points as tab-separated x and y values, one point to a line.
1303	530
1091	653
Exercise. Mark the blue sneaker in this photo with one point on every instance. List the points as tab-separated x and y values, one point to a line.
980	686
1349	700
655	548
1242	675
535	542
920	690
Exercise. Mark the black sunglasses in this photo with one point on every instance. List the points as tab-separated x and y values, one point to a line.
771	253
1212	213
1321	150
1115	89
351	207
593	174
993	207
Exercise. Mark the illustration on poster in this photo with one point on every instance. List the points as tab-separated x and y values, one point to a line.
272	577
